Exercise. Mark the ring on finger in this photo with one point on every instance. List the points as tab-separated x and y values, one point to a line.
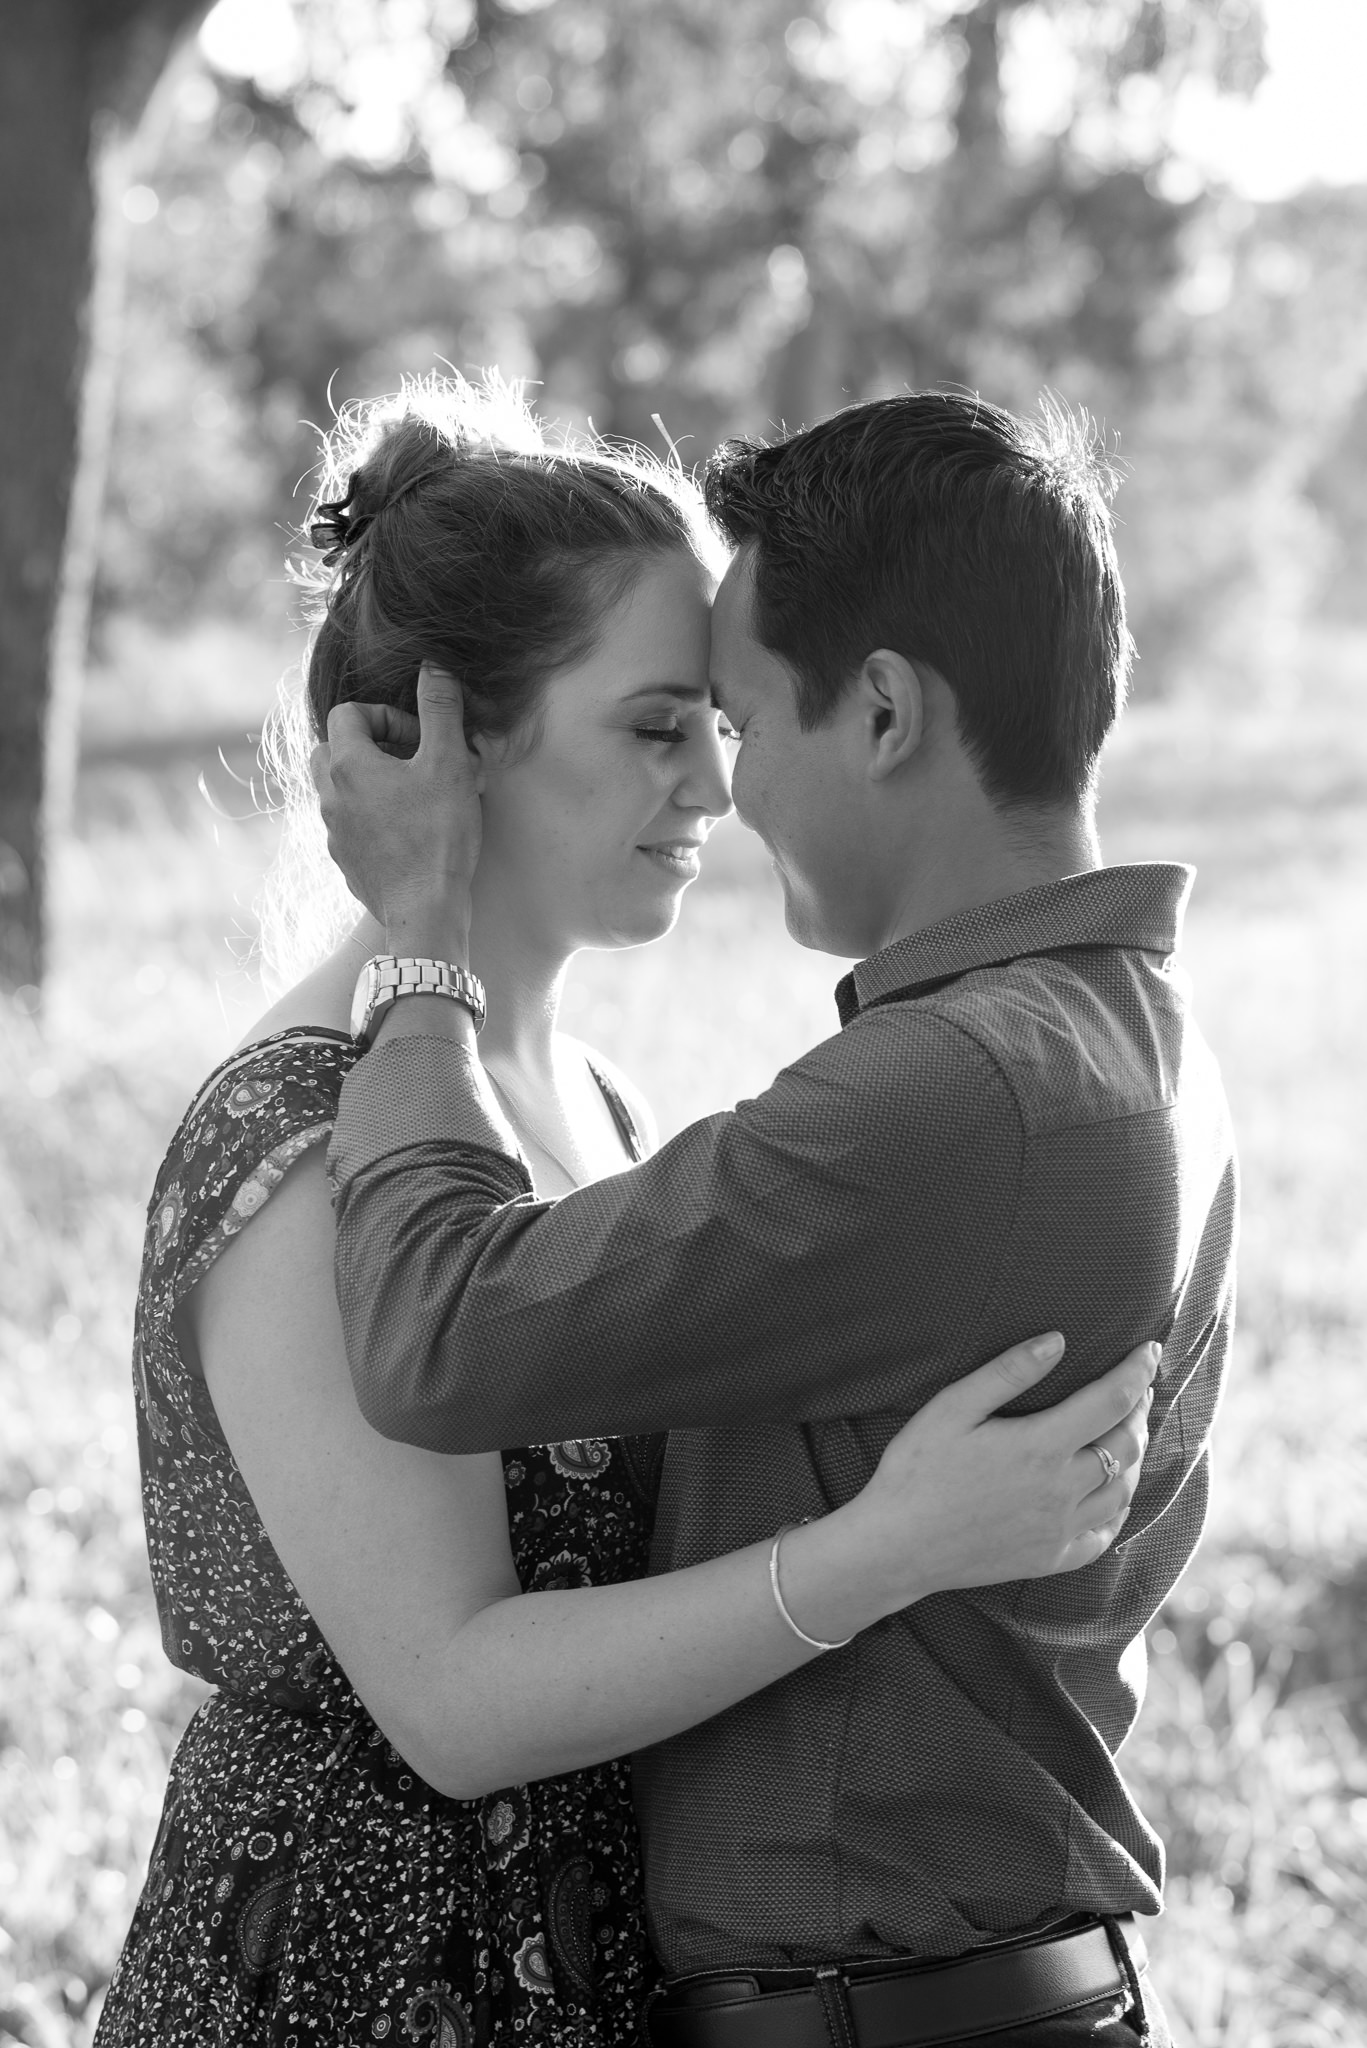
1110	1464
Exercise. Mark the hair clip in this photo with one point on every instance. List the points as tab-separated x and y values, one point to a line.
332	529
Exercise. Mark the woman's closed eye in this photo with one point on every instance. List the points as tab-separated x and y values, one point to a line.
669	734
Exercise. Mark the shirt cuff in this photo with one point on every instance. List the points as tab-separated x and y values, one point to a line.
416	1091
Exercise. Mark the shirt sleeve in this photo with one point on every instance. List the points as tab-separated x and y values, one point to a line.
823	1250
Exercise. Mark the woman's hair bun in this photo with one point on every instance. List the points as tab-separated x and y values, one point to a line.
402	452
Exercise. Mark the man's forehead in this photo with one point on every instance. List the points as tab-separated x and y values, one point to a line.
735	590
730	625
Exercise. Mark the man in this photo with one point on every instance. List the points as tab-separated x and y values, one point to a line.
922	643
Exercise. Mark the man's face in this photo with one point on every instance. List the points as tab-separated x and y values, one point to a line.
800	791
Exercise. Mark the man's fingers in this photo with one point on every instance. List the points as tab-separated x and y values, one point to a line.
1085	1416
373	724
441	709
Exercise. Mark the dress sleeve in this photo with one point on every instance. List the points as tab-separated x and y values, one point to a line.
254	1117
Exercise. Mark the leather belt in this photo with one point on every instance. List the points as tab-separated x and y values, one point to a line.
883	2004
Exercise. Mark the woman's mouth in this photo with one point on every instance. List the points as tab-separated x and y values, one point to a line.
678	857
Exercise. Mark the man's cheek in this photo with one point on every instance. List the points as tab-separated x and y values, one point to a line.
746	792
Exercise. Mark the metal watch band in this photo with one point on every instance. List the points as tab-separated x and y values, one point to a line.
389	976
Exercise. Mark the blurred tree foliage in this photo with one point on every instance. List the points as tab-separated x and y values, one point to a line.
732	216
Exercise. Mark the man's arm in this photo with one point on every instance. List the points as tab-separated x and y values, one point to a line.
823	1250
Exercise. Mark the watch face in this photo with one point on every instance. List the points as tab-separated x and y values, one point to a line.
360	1003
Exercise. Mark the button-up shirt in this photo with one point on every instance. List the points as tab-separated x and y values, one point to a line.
1017	1128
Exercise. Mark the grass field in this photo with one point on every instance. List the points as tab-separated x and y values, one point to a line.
1250	1754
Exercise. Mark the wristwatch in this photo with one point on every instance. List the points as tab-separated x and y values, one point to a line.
387	977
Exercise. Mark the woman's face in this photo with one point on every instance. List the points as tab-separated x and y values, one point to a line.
592	835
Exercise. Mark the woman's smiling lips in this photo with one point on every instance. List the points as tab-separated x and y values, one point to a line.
678	857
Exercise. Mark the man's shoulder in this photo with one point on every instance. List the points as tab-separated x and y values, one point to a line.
1086	1034
907	1066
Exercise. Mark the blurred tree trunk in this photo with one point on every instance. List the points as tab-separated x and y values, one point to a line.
808	378
975	199
75	77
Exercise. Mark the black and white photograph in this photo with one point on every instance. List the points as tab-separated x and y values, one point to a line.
683	941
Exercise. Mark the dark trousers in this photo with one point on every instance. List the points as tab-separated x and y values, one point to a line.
1108	2023
1112	2022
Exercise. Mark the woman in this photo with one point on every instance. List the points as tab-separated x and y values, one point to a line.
399	1817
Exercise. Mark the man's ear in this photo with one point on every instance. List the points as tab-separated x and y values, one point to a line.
894	711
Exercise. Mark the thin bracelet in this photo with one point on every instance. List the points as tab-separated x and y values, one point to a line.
801	1633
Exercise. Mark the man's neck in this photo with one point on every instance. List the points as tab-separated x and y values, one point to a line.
1003	854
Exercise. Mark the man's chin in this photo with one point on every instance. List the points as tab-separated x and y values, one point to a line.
805	923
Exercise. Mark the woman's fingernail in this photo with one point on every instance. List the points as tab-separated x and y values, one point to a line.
1148	1396
1047	1347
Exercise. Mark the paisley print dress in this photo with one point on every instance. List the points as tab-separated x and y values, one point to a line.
305	1885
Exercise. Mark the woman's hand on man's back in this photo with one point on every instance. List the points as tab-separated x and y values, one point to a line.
971	1498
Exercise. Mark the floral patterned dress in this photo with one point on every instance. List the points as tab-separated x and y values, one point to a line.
305	1885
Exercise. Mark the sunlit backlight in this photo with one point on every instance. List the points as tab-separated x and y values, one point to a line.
1301	125
1304	124
257	39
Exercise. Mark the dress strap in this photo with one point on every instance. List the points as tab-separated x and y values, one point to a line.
621	1115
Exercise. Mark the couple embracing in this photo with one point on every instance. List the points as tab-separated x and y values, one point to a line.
636	1609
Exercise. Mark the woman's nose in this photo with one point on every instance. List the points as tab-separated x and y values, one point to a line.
706	783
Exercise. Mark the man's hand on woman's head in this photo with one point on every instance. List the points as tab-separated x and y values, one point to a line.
405	832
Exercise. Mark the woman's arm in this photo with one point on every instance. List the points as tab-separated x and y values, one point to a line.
402	1556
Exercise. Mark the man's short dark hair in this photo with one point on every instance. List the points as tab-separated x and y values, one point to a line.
955	534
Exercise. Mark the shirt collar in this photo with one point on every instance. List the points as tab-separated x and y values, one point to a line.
1139	907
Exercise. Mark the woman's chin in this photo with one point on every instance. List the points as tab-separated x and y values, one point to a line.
641	922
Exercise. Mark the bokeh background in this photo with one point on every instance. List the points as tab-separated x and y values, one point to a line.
729	215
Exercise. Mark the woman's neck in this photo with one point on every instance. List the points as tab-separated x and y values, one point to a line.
558	1111
523	983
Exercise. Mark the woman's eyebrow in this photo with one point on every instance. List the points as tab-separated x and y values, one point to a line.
694	693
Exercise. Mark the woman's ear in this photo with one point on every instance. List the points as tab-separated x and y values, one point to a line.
493	751
893	703
488	751
496	751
